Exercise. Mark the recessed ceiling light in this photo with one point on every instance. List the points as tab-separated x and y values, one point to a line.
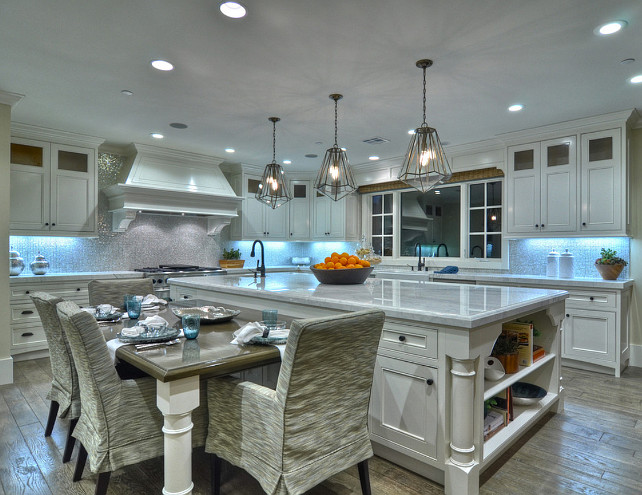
515	108
287	162
373	158
178	125
157	135
637	79
627	61
230	150
126	92
611	27
233	9
437	191
162	65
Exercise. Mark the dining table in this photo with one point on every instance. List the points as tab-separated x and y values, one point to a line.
179	369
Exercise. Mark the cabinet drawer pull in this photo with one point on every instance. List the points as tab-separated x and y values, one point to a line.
402	338
77	289
27	334
26	292
430	381
27	312
53	224
591	298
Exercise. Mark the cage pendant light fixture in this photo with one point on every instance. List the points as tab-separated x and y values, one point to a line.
335	178
273	190
425	164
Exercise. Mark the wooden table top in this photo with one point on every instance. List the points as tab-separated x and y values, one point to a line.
210	354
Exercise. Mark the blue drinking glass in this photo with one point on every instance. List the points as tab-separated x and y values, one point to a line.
134	306
191	326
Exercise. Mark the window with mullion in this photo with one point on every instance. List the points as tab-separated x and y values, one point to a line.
382	223
485	220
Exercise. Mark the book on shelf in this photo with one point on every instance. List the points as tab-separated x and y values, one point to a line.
524	332
494	421
538	352
503	401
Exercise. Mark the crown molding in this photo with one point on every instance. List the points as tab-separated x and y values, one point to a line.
54	136
11	99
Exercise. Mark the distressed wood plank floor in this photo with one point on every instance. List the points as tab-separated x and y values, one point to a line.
593	448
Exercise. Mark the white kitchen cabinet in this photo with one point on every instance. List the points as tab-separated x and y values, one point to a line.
601	171
404	406
336	219
299	210
53	188
259	220
542	186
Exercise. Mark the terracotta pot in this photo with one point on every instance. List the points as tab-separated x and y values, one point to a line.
231	263
609	272
510	362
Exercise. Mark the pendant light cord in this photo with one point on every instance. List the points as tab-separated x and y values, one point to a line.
274	141
424	122
335	123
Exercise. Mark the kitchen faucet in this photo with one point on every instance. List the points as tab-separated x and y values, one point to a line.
438	247
261	267
420	265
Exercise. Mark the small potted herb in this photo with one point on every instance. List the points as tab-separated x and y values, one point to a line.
506	351
609	265
231	259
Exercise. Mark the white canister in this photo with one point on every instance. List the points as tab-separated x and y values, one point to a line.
553	264
566	264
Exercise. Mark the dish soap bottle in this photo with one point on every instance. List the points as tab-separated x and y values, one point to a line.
553	264
566	264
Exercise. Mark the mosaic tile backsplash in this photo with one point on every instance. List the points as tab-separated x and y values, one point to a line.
150	240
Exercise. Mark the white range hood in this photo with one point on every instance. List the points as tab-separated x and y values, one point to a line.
171	182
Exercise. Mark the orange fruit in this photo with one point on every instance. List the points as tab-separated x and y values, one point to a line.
340	267
328	259
365	263
350	265
358	265
334	254
344	255
329	264
322	267
353	260
343	261
335	258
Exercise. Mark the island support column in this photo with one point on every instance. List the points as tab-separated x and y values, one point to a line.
176	400
462	470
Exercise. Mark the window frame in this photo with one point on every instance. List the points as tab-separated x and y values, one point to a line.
463	260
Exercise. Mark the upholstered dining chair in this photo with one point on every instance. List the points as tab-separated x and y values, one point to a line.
119	422
315	424
64	394
112	291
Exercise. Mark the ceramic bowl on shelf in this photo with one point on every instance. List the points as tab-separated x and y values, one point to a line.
493	369
526	394
347	276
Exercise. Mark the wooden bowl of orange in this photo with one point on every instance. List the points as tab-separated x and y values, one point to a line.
342	269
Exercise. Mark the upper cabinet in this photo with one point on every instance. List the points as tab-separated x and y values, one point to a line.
259	221
53	185
573	185
336	220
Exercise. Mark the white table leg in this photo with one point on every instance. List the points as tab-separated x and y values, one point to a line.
176	400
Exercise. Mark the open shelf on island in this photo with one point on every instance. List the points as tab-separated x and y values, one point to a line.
494	388
524	416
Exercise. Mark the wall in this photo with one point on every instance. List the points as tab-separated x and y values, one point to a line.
6	366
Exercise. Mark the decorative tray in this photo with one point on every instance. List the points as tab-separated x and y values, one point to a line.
208	314
111	317
165	334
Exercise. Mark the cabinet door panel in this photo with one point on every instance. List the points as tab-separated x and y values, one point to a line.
403	407
253	218
72	208
559	185
276	222
525	204
590	336
29	200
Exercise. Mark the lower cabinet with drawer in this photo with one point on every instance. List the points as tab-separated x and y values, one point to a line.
595	331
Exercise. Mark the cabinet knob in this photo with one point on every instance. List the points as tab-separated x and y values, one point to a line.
185	297
542	225
583	224
537	226
46	223
567	315
27	312
402	338
591	298
77	289
27	334
430	381
53	224
26	292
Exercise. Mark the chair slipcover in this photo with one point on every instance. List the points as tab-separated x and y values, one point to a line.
315	424
113	291
64	382
119	422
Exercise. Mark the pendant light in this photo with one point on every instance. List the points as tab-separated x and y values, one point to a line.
335	178
425	164
273	190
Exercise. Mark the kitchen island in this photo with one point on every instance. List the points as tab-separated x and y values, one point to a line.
426	410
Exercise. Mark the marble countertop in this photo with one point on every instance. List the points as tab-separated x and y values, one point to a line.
53	277
458	305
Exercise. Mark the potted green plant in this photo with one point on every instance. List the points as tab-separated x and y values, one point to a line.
506	351
609	265
231	259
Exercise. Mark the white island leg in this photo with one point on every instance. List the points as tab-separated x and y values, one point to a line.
176	400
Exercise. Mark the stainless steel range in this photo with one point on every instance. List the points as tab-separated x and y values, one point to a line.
161	273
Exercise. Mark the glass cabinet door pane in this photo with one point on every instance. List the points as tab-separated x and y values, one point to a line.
387	246
253	186
376	225
74	162
387	225
494	193
524	160
494	220
600	149
376	204
376	245
477	220
300	191
476	246
387	203
476	195
494	246
557	155
23	154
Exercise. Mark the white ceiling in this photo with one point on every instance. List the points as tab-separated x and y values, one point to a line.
71	59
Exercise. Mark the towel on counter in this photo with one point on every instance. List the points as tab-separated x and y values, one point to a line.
448	269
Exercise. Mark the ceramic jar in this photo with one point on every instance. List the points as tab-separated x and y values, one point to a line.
39	266
566	264
553	264
16	263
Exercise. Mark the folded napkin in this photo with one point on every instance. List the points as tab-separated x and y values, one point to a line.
253	329
135	331
112	345
151	300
